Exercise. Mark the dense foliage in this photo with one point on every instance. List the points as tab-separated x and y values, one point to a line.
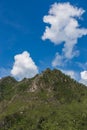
49	101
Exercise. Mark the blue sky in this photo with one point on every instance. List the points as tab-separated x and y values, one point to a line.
22	27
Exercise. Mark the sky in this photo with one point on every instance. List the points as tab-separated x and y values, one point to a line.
35	35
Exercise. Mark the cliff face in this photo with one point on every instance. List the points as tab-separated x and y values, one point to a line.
49	101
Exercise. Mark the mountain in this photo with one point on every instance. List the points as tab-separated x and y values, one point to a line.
49	101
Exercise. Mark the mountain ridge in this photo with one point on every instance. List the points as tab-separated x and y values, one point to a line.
35	103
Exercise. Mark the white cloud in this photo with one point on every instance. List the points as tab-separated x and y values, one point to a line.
83	75
24	66
71	73
64	27
58	60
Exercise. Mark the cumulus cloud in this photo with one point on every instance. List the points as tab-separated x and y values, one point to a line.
63	27
84	77
24	66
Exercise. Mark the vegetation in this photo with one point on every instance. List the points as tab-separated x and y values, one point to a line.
49	101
